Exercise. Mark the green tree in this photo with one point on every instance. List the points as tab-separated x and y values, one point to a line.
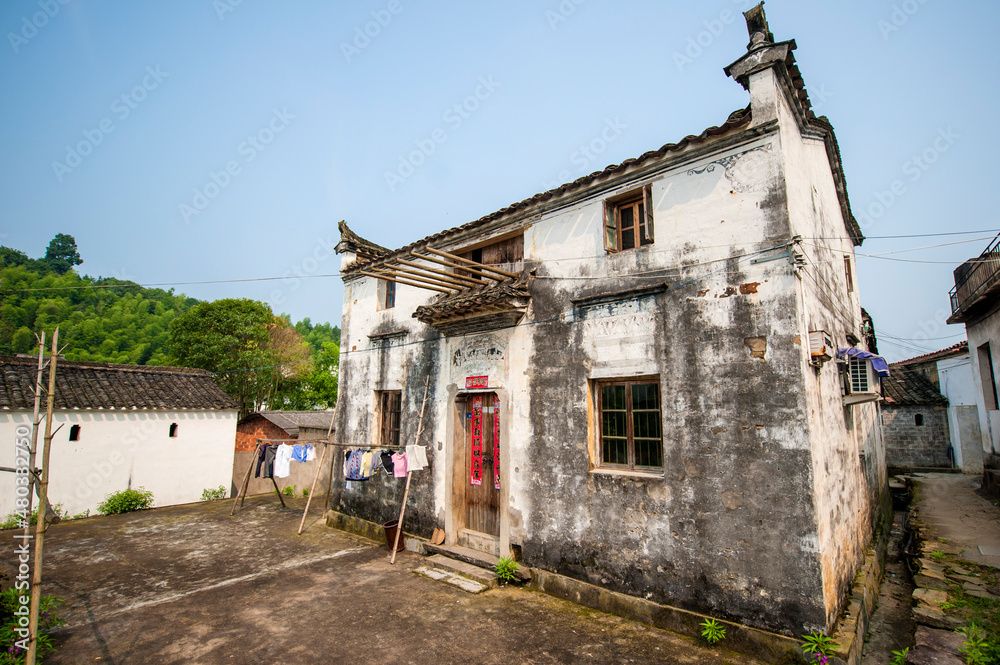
62	253
231	337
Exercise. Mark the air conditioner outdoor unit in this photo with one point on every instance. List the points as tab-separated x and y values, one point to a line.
861	382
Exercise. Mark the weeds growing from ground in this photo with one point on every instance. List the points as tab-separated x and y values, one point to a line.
213	495
712	630
48	621
126	501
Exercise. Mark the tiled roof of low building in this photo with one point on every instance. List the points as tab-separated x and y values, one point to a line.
291	421
909	388
952	351
89	385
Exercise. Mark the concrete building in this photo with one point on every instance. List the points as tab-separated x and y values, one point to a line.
915	423
303	426
633	379
169	430
975	301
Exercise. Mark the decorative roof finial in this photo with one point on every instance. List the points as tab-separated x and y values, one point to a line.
760	34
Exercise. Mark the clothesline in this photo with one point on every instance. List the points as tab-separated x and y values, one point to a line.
330	443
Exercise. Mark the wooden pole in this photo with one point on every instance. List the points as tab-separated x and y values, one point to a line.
333	456
452	264
278	492
319	467
34	435
409	474
43	497
246	479
467	262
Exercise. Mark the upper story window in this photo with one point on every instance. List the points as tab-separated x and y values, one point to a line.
507	254
386	294
628	220
849	274
74	433
390	402
173	430
629	418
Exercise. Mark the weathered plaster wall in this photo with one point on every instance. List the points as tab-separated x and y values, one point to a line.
386	349
127	449
908	445
986	330
729	528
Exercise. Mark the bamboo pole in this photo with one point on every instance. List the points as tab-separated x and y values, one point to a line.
35	413
319	467
467	262
411	273
409	474
246	479
401	273
43	496
333	456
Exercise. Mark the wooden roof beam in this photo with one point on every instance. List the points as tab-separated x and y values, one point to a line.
452	264
447	281
462	278
467	262
401	281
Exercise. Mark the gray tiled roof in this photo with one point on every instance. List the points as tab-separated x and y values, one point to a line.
88	385
909	388
291	421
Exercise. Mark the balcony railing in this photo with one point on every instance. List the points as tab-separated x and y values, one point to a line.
983	273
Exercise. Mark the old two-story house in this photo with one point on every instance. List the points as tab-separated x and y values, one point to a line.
633	379
975	301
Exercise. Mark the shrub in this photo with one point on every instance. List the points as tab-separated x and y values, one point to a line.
712	631
213	495
126	501
48	621
289	491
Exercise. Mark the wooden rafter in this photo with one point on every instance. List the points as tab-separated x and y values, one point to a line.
452	264
467	262
468	280
403	281
448	281
393	273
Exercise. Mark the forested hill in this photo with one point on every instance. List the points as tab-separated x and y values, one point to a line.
119	322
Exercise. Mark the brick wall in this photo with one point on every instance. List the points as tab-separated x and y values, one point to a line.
908	445
253	428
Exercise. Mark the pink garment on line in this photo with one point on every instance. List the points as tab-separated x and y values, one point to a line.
399	465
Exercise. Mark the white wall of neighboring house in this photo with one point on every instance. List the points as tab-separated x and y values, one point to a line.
121	449
985	333
957	384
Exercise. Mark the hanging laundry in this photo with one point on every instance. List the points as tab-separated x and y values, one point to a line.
298	453
399	465
261	455
310	452
416	458
265	461
282	461
353	467
366	464
387	462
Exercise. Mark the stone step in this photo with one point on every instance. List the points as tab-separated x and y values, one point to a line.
455	580
473	557
454	566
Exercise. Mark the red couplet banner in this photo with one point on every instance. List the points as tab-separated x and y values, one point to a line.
476	467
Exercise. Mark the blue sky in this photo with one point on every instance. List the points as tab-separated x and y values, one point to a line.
218	140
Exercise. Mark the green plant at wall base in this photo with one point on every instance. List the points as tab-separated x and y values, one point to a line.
289	491
126	501
505	569
937	555
305	492
712	631
48	621
213	495
899	657
976	648
818	645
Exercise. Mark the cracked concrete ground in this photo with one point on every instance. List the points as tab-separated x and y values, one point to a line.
189	584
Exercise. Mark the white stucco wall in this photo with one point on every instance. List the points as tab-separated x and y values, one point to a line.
986	330
121	449
957	384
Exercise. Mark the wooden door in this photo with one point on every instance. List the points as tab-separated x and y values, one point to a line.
482	477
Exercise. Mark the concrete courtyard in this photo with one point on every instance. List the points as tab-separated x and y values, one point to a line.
189	584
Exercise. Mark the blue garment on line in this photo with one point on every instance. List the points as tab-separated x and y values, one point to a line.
299	453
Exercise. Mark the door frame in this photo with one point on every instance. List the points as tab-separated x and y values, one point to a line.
456	459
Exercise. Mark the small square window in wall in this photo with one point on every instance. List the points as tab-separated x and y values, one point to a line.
173	430
630	424
74	433
628	220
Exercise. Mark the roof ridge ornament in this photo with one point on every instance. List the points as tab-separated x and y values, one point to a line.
757	28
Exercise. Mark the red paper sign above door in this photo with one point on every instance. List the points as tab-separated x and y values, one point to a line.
477	382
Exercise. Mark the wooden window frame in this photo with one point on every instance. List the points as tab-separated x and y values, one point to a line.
849	273
389	410
388	299
642	229
598	385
